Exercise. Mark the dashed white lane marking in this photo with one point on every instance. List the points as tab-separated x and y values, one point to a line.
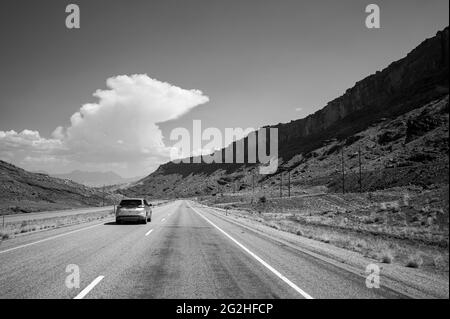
149	232
49	238
86	290
273	270
163	220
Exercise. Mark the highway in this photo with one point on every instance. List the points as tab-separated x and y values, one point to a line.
187	251
14	218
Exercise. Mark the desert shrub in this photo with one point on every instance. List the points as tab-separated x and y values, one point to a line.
274	225
262	199
368	220
414	261
421	125
352	139
421	157
387	257
325	239
389	136
333	149
358	244
439	262
379	219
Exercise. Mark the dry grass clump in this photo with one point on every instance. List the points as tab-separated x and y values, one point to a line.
274	225
4	235
414	261
386	257
440	262
325	238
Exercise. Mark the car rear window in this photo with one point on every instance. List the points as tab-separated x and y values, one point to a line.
131	202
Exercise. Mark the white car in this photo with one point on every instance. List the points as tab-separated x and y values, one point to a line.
134	209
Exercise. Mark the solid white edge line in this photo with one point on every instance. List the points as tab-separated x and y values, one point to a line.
149	232
86	290
273	270
50	238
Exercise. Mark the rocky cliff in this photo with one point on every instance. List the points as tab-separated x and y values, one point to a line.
404	85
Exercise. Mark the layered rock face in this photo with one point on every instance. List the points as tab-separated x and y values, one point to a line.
414	80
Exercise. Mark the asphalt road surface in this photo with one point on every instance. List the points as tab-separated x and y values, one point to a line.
185	252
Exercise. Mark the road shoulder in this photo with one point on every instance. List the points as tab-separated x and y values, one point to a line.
411	282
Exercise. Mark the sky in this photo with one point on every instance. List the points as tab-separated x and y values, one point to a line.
108	95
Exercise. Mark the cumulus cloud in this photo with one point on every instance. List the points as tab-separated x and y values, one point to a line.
121	127
27	141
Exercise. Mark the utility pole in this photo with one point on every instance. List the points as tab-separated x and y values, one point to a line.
253	183
360	173
289	184
103	195
281	184
343	170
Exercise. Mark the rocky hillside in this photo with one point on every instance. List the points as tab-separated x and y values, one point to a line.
22	191
398	117
411	149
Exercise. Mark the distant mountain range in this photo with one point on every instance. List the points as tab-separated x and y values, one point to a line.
95	179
